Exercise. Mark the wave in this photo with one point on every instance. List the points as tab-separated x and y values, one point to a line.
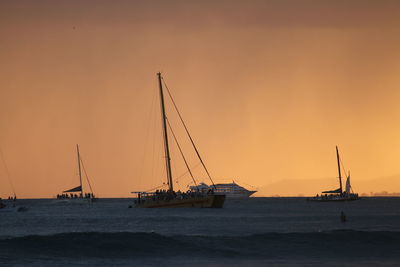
346	243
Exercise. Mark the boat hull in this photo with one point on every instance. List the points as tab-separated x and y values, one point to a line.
230	190
210	201
244	195
75	200
338	199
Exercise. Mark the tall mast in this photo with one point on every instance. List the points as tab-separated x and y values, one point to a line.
166	147
338	163
79	168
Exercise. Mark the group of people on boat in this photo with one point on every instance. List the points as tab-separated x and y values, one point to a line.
71	196
335	196
10	198
166	195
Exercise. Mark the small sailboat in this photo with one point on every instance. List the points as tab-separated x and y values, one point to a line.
11	203
72	194
6	207
2	205
338	194
169	198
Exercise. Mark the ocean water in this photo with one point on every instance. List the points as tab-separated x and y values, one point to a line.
251	232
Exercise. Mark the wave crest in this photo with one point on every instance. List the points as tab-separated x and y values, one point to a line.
347	243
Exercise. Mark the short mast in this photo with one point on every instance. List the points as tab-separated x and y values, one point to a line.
338	163
166	146
79	168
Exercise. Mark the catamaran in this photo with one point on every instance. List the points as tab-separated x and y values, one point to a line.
71	194
338	194
170	198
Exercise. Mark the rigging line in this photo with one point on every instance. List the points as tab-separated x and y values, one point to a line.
345	172
248	184
150	113
161	155
152	189
87	177
183	174
162	147
165	135
180	150
7	172
156	151
187	132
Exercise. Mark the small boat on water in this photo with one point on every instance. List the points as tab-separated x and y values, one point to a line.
170	198
2	205
231	190
71	195
337	194
11	205
12	200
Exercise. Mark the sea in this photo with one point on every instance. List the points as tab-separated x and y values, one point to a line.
249	232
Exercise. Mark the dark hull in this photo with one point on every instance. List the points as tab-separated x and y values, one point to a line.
243	195
209	201
333	199
78	200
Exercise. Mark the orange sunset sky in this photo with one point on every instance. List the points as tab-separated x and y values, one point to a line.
267	89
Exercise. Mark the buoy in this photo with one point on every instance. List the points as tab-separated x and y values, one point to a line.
343	217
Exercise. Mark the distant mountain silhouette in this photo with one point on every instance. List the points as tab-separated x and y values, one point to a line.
309	187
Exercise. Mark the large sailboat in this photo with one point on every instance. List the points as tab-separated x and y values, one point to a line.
169	198
338	194
77	193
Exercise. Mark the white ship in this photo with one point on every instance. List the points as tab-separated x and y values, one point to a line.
231	190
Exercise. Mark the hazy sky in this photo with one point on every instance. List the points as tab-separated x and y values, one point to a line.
267	88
